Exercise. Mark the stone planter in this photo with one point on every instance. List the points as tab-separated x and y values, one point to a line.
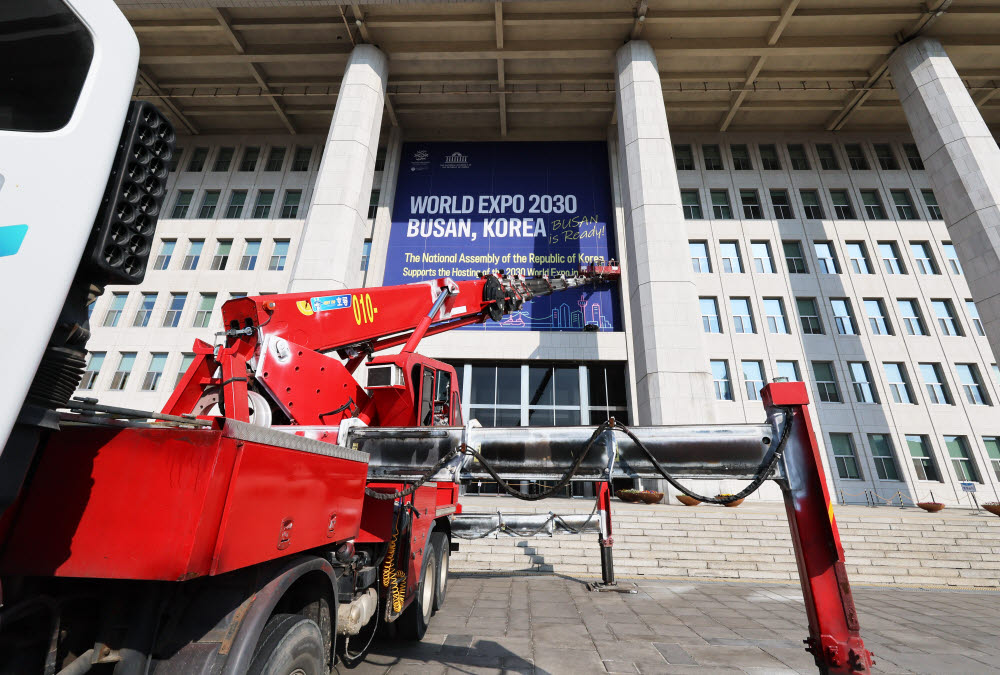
630	496
650	496
687	501
931	507
992	507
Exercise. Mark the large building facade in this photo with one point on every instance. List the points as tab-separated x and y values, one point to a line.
840	235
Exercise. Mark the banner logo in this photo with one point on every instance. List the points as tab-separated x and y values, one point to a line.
456	160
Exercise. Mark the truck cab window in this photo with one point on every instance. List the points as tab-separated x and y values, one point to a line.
45	55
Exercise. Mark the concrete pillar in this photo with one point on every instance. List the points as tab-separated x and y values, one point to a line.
673	381
383	215
963	162
329	254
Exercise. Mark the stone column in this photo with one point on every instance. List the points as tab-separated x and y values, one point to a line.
383	216
673	381
963	162
329	253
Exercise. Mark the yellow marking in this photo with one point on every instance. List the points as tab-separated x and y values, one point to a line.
305	307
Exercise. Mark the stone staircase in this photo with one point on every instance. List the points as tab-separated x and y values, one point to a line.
884	545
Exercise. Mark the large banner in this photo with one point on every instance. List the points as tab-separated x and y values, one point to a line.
526	208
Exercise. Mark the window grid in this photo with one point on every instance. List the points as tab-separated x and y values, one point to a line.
167	247
826	382
278	256
700	261
782	206
899	385
721	207
799	159
222	250
203	316
873	205
883	456
290	205
742	315
115	309
172	318
710	315
237	198
154	372
761	252
752	209
937	388
145	310
794	258
961	461
842	209
721	380
809	316
811	205
691	203
972	384
844	456
92	371
730	254
250	253
753	379
125	363
877	320
861	378
774	310
923	459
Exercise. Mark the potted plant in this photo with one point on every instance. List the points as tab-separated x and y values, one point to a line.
931	506
726	495
650	496
628	495
687	501
992	507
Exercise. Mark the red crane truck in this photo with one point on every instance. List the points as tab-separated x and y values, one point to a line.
277	513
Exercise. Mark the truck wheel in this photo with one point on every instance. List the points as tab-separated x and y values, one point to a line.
439	540
290	644
414	619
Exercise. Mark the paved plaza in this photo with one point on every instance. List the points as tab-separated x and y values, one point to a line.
553	624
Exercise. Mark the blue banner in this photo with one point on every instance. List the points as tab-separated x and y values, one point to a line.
526	208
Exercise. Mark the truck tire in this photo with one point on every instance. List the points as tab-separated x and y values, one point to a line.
414	619
289	643
439	540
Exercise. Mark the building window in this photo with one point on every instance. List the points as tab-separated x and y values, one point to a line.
904	205
690	201
275	159
762	261
250	157
380	159
162	261
193	254
145	311
842	316
250	253
899	383
861	378
741	158
301	159
683	158
797	153
172	318
972	384
827	157
992	444
923	459
93	369
197	161
857	252
774	310
842	209
154	372
930	201
495	395
237	198
699	257
886	157
961	461
826	259
753	379
769	160
945	314
856	157
186	361
809	316
826	382
742	315
223	159
205	307
237	294
730	253
721	208
789	370
175	160
182	203
913	157
810	204
720	377
366	254
208	204
222	251
974	317
937	388
883	456
262	208
553	396
910	311
278	256
782	206
873	205
713	158
290	206
114	313
794	258
607	387
710	315
752	209
843	454
877	320
951	255
890	258
125	363
374	197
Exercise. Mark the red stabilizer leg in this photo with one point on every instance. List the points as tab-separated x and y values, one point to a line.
834	632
